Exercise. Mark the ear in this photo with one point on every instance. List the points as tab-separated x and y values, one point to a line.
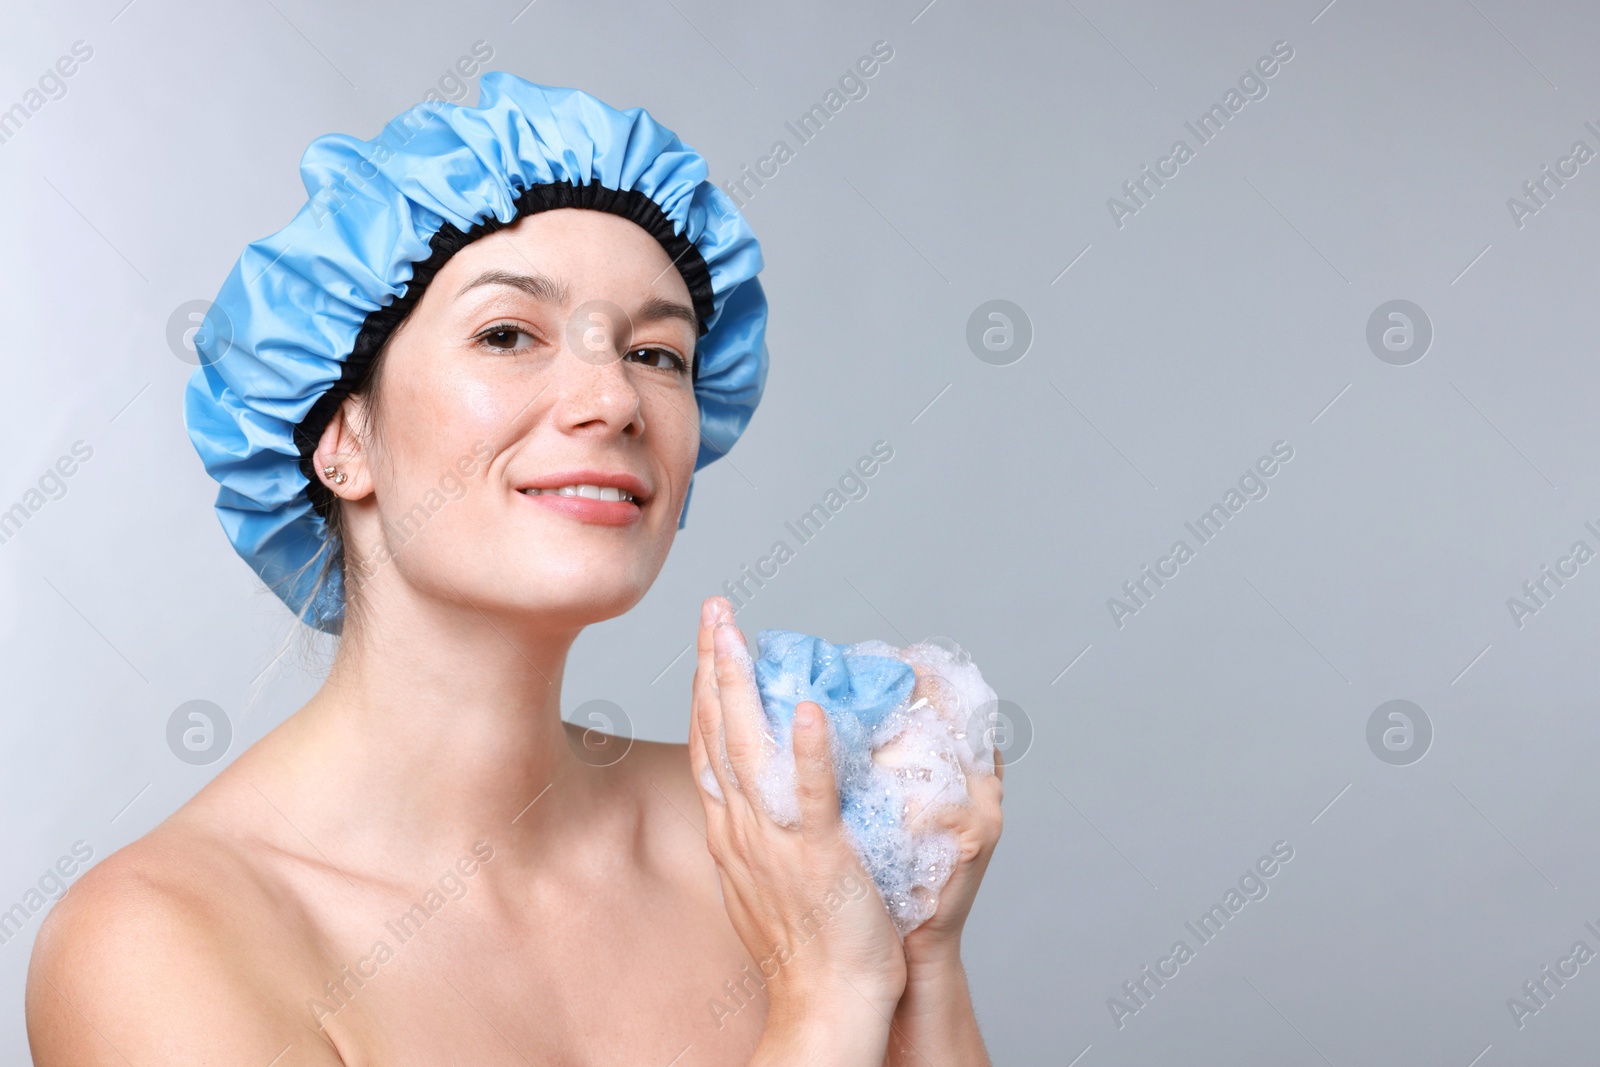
343	452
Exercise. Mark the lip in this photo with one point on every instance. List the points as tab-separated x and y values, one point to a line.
596	512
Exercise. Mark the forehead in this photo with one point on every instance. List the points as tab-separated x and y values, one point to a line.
588	250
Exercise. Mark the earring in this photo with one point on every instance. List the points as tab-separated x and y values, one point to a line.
334	475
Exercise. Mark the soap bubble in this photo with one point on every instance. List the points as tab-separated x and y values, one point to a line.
938	692
950	645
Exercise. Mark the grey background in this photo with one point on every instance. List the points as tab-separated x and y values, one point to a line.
1225	316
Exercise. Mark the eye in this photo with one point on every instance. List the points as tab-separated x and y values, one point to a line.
505	337
660	358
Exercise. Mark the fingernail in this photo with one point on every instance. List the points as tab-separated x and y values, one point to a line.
708	612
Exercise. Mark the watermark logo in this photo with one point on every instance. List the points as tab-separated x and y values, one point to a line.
999	332
1399	332
606	733
599	332
199	332
1003	726
199	732
1399	732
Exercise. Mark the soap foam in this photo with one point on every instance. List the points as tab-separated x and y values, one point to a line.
892	761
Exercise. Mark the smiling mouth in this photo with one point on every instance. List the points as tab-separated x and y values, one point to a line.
587	492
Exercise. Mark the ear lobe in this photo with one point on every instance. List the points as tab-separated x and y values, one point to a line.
341	457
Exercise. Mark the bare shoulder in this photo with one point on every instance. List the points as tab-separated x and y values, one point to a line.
149	958
660	776
664	768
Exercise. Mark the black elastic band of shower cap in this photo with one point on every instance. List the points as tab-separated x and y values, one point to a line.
379	325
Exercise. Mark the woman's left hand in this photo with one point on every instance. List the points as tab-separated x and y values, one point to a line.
977	824
934	1022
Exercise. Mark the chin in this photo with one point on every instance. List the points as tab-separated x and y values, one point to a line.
575	584
556	571
573	605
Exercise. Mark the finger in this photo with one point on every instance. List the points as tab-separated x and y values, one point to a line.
743	721
978	815
713	800
700	766
949	808
704	686
706	682
707	724
988	793
710	611
713	609
815	787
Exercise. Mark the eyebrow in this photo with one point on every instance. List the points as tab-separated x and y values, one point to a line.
543	287
539	286
658	308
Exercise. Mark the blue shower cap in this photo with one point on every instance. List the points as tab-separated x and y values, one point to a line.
304	312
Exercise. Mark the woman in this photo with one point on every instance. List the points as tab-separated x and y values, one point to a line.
455	408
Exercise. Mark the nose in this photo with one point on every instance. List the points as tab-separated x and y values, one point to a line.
596	392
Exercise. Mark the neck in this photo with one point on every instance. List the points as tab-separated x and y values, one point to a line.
439	730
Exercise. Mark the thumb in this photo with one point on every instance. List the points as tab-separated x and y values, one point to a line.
815	787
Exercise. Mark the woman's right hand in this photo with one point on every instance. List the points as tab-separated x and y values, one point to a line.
798	898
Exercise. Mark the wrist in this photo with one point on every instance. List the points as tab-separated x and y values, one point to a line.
936	983
829	1028
935	1016
926	951
850	1000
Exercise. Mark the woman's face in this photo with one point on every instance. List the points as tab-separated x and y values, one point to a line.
554	353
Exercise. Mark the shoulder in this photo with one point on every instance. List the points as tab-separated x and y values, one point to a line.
663	770
660	778
146	959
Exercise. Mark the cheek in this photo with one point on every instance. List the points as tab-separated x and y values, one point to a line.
457	412
432	421
677	434
477	406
